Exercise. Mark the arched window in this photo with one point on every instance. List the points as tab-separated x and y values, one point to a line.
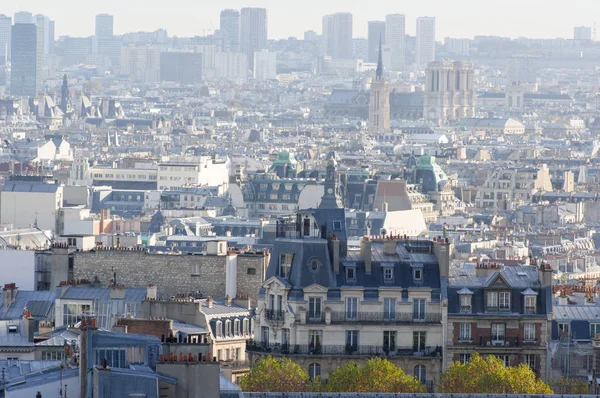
246	326
314	370
228	328
236	327
421	373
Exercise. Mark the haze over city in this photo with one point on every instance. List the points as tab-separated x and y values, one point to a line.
461	18
329	199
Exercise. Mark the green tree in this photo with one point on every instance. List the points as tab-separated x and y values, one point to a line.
568	385
378	375
275	375
490	376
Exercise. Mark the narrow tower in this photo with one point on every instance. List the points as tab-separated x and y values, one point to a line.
379	105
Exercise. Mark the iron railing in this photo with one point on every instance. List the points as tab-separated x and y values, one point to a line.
383	317
358	350
275	315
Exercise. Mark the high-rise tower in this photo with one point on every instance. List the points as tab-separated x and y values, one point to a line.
253	32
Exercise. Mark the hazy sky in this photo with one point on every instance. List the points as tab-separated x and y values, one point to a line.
455	18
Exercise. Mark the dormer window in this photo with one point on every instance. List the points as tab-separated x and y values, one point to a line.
388	272
13	329
337	225
530	300
465	301
417	271
351	274
498	301
285	264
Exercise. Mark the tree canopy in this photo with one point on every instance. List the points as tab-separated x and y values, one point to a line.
378	375
490	376
568	385
275	375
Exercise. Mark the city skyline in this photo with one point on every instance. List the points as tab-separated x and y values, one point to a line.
184	18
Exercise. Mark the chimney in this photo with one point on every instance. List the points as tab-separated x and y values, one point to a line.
209	302
389	246
385	207
335	253
485	268
87	330
9	295
443	251
228	300
545	274
151	292
365	252
29	325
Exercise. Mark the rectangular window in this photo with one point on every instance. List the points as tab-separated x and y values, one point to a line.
351	340
464	358
285	336
529	332
465	331
594	330
389	309
389	340
504	298
265	334
564	330
418	274
388	274
251	271
505	359
337	225
419	341
315	339
350	274
419	309
351	308
492	300
465	303
246	326
314	308
529	360
530	304
285	264
498	330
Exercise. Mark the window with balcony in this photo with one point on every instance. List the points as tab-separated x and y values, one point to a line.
498	333
389	309
530	304
264	333
351	341
419	309
315	339
314	370
504	301
389	340
529	332
465	331
351	308
314	308
419	341
420	372
285	264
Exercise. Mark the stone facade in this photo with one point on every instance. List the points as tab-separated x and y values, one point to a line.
173	274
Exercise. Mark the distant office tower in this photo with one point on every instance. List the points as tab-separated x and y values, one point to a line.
26	68
230	29
5	33
395	30
522	69
337	35
311	35
376	33
24	17
360	48
457	46
232	66
43	31
253	32
379	104
76	49
425	50
582	33
449	91
181	67
51	36
265	65
141	64
105	42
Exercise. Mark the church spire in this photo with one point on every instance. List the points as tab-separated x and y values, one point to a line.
379	72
